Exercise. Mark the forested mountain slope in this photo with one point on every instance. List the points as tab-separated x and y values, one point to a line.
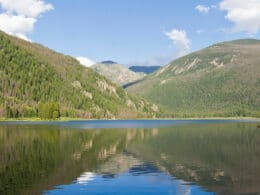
37	81
221	80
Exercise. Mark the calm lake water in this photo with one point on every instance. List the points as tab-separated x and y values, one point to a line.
130	157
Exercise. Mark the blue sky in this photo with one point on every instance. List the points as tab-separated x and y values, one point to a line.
132	32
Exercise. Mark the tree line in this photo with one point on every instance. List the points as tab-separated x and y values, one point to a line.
49	110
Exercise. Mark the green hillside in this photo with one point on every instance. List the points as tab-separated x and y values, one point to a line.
221	80
38	82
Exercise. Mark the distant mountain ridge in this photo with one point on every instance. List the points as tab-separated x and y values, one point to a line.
117	73
108	62
144	69
220	80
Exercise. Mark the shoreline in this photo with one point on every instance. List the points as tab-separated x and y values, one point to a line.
146	119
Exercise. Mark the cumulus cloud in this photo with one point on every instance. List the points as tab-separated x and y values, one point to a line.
180	41
85	61
16	25
202	9
29	8
244	14
20	16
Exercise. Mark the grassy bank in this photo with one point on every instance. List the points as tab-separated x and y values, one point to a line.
39	119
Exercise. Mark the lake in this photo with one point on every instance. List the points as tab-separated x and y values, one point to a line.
130	157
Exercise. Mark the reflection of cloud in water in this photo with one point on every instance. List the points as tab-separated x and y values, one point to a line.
134	176
183	188
86	177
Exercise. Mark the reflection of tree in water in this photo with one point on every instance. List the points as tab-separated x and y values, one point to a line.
45	156
221	157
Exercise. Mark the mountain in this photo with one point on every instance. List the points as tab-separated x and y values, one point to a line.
221	80
36	81
144	69
108	62
117	73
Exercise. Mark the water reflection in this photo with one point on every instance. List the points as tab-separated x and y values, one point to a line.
137	177
86	177
186	159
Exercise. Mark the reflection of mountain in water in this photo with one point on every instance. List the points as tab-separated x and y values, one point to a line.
220	157
118	164
45	156
143	169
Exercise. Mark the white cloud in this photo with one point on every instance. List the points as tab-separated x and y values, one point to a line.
180	40
85	61
202	9
245	14
16	25
28	8
20	16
